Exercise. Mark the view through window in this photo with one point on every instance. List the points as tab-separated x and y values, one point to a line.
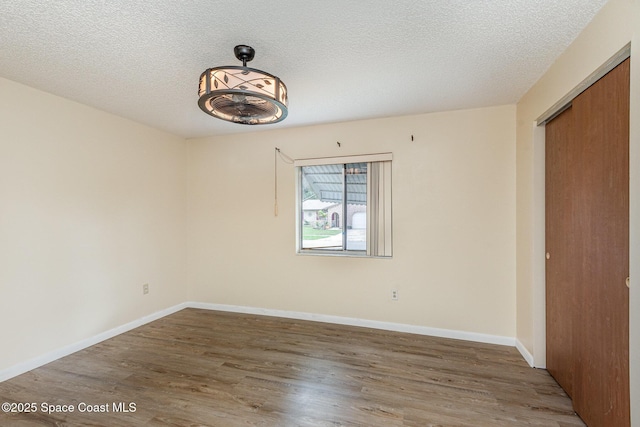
334	207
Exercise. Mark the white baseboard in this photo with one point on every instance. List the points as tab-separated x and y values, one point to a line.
36	362
525	353
374	324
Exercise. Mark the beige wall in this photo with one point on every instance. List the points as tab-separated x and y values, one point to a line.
454	223
610	31
91	207
94	206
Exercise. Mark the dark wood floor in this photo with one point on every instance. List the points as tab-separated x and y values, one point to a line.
207	368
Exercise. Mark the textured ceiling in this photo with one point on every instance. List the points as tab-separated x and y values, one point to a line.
341	60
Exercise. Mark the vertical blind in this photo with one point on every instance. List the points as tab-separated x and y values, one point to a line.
379	209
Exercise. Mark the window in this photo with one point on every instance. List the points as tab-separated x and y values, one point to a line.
344	205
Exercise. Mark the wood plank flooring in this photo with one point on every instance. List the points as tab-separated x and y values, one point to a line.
208	368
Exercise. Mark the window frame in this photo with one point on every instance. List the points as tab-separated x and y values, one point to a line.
383	185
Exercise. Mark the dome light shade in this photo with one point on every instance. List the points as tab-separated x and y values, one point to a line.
243	95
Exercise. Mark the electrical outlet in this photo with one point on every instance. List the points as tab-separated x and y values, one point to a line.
145	289
394	295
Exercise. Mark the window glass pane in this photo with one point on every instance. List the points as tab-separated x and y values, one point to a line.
322	194
356	177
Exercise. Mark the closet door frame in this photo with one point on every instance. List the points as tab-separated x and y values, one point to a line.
538	359
587	236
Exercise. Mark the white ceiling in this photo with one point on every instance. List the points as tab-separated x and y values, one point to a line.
341	60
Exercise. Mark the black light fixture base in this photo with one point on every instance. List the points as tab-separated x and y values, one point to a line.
244	53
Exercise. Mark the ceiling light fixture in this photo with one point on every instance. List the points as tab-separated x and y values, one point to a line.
241	94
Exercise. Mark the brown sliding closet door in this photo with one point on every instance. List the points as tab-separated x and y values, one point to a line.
587	237
563	257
